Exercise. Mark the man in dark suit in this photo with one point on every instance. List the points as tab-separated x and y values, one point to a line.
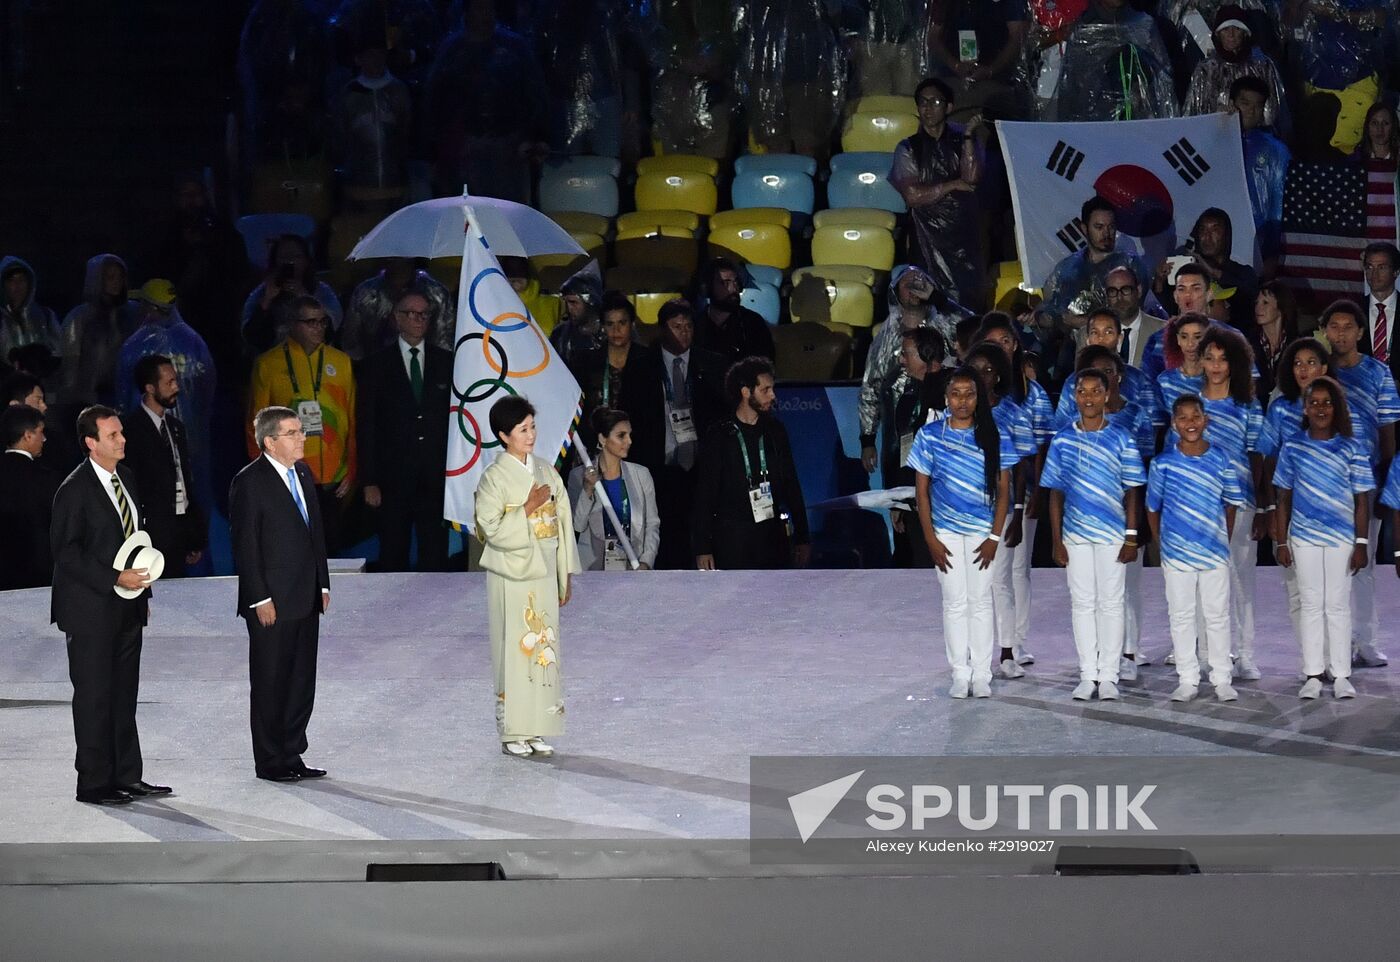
95	510
1381	261
404	393
27	488
158	454
677	397
727	327
284	586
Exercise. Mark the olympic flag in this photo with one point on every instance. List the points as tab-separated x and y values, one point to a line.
499	350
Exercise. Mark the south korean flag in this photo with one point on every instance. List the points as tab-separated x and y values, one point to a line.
1158	174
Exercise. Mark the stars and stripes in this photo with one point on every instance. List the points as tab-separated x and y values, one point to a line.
1324	231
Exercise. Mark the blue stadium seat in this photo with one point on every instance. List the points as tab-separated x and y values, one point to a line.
763	300
259	230
580	183
791	190
775	164
858	180
763	274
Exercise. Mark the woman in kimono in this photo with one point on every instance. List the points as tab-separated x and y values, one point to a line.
521	509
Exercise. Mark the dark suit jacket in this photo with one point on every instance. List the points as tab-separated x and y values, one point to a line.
745	334
27	489
150	460
644	399
277	555
1367	337
400	441
85	534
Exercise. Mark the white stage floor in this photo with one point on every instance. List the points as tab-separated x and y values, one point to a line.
672	679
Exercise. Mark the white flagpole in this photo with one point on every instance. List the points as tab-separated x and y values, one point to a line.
601	494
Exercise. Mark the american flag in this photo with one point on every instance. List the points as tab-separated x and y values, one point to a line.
1324	231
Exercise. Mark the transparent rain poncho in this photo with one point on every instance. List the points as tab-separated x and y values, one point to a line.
1113	69
690	45
592	60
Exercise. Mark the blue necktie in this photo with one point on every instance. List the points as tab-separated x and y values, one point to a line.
296	495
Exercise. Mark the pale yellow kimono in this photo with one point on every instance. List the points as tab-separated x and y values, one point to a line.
528	561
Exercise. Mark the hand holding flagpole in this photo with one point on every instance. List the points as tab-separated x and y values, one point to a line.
602	496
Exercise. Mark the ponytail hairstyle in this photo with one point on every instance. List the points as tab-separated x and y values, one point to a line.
1001	321
984	429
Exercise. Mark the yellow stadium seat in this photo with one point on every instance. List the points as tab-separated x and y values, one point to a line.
887	104
447	271
648	304
878	130
657	218
854	217
776	216
592	243
678	190
758	243
851	273
345	232
871	247
298	187
551	270
672	250
678	163
811	352
654	230
581	222
840	299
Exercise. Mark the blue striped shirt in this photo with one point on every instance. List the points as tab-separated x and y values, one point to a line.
950	458
1137	421
1372	400
1390	494
1041	413
1172	385
1135	389
1093	469
1282	422
1190	493
1324	476
1012	420
1234	428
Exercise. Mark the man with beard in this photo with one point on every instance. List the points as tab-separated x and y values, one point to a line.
748	491
158	454
727	327
1210	244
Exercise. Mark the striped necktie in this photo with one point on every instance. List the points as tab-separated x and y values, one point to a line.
128	526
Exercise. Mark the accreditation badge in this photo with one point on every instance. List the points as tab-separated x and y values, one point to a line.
761	501
310	414
683	425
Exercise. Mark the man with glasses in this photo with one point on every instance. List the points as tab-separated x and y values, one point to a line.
1124	296
936	171
370	324
308	376
284	586
406	389
979	44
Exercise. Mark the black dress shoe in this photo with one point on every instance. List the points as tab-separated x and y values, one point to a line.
104	796
143	789
304	771
278	775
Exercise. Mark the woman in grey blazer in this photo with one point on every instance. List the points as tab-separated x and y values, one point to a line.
628	486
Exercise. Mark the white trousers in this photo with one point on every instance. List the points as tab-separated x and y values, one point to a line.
1021	580
967	609
1096	583
1325	603
1244	559
1207	593
1363	588
1132	604
1004	607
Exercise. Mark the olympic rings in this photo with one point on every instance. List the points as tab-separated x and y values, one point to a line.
461	413
502	370
466	397
492	325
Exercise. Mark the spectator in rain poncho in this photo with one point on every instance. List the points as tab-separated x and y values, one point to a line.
23	320
369	322
283	57
792	71
487	109
373	124
1115	68
93	333
1235	56
691	48
581	329
410	31
888	44
593	68
914	301
1265	165
163	331
1341	47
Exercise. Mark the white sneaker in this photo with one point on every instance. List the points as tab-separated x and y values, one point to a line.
1226	692
1127	670
1024	657
1140	659
1009	669
1108	691
959	689
1170	659
981	689
1083	691
1185	692
1234	666
1311	688
539	746
1342	688
1368	656
1247	670
518	749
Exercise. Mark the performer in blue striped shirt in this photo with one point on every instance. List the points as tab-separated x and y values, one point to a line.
1374	408
1000	329
1323	481
1094	471
1103	328
991	364
963	488
1184	374
1192	493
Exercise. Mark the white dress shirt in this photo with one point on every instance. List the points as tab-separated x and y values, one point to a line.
182	497
404	348
668	361
287	483
19	451
1390	303
105	477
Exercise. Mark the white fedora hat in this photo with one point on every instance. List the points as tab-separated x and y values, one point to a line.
138	552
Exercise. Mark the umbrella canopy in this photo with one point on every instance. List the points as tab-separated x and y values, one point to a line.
435	228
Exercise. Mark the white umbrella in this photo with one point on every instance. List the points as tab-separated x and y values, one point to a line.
435	228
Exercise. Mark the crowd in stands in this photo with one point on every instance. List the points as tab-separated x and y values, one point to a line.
806	184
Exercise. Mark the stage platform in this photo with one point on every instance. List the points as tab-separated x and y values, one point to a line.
673	681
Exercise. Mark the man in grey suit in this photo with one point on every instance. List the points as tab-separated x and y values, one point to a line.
1124	295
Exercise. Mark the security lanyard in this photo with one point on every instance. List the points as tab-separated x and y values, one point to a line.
315	376
762	457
